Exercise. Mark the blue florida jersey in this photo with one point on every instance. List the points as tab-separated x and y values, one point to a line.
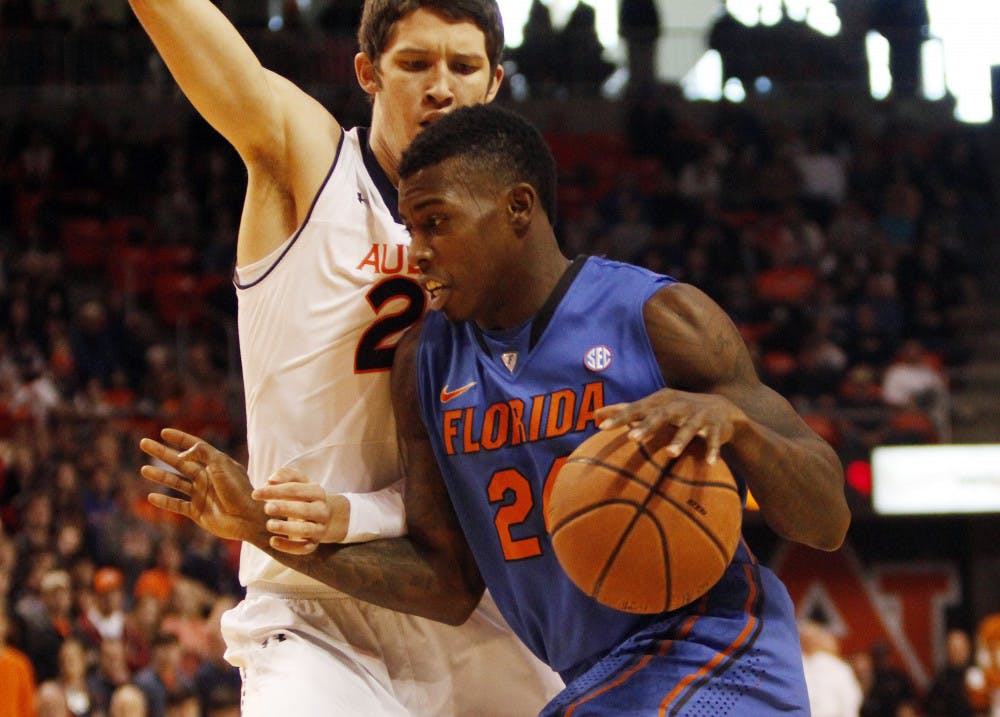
502	411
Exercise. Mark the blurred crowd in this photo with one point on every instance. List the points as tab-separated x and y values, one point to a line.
841	240
842	243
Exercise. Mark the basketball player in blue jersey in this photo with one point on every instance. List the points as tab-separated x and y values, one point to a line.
324	285
527	354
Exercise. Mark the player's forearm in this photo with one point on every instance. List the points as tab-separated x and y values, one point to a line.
797	481
394	574
214	67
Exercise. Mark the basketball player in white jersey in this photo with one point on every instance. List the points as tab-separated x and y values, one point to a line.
324	289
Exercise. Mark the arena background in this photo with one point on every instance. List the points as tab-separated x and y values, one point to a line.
809	183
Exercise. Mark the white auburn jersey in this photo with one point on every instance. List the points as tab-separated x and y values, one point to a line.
319	319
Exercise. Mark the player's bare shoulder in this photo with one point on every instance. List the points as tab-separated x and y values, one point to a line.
285	174
696	343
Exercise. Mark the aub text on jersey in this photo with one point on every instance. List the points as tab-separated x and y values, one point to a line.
388	259
516	421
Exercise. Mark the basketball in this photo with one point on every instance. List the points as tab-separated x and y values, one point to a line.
638	530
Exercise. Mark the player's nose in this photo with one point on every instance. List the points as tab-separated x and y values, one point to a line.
440	89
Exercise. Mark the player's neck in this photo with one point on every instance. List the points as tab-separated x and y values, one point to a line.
527	291
385	153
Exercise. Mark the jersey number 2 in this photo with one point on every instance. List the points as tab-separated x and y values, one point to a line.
509	483
375	350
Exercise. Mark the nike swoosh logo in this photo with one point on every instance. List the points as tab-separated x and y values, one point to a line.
447	395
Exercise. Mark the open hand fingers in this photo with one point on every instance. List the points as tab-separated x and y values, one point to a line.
299	492
174	505
181	462
612	416
168	479
287	474
311	511
179	439
293	547
293	529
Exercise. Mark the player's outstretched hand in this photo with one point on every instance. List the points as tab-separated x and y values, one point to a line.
709	415
301	513
217	488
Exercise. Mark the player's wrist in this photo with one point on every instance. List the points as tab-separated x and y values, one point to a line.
339	519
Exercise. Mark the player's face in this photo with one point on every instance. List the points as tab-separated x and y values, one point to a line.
431	66
460	240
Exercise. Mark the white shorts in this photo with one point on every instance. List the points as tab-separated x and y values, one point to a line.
336	656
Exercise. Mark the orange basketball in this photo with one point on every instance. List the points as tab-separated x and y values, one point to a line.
640	531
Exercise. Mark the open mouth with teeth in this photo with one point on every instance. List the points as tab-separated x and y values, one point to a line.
437	291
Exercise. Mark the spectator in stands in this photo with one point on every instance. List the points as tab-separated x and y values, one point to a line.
163	676
217	682
833	687
819	365
17	699
43	636
913	382
985	685
578	39
184	618
640	28
948	694
864	415
105	618
50	700
884	685
904	24
868	342
96	352
110	673
73	676
537	57
158	580
142	625
128	701
35	530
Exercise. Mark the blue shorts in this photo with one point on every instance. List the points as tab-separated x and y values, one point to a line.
734	652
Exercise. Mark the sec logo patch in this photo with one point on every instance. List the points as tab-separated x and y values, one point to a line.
598	358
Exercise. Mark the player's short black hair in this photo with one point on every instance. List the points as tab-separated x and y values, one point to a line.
489	139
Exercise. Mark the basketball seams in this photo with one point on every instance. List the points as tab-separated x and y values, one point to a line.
640	511
653	489
682	509
616	485
617	470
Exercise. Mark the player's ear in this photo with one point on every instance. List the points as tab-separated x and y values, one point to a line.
366	73
491	91
521	201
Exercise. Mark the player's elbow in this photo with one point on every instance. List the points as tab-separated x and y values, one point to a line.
834	531
825	530
457	606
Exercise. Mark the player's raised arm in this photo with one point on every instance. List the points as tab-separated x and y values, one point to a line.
715	393
215	68
286	138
